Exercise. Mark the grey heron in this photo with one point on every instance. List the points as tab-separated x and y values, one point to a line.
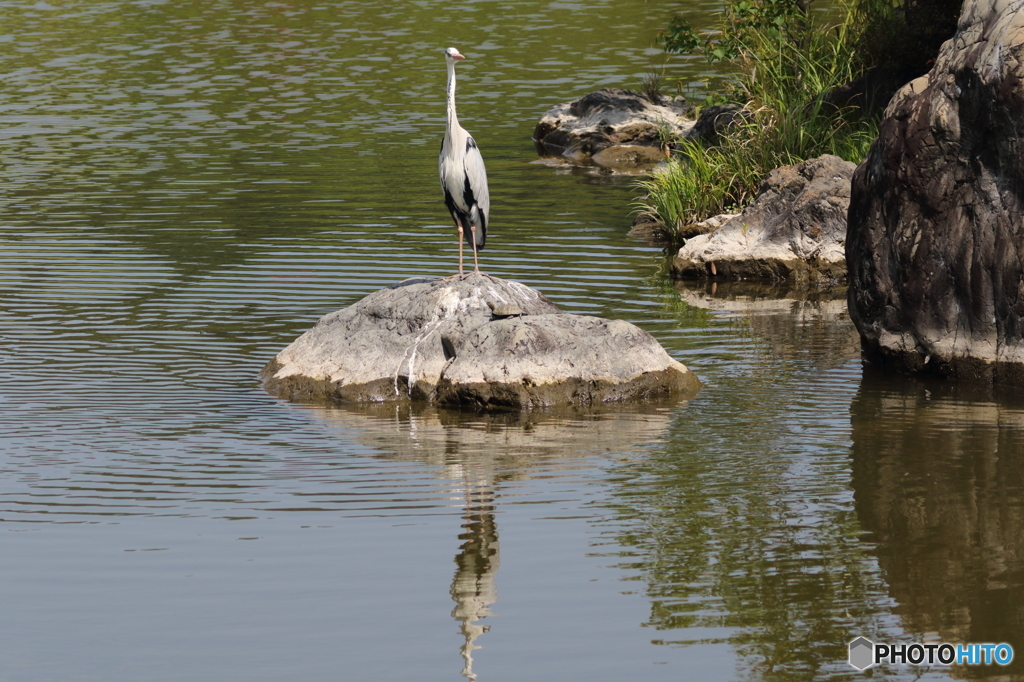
463	176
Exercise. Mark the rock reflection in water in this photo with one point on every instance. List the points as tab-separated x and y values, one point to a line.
481	452
796	320
938	476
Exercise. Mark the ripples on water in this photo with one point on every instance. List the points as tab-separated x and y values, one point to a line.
188	186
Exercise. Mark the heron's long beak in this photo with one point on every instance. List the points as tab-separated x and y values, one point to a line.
457	56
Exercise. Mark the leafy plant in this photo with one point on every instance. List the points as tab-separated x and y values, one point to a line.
679	36
742	22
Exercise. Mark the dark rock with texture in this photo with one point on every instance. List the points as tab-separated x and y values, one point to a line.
715	120
794	230
936	229
438	340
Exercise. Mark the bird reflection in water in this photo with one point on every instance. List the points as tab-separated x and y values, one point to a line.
473	587
474	455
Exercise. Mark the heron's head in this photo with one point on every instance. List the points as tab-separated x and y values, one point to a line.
452	55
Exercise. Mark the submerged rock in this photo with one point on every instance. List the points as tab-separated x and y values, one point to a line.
581	129
629	158
936	245
794	230
439	340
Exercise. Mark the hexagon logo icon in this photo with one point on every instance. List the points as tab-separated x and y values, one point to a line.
862	653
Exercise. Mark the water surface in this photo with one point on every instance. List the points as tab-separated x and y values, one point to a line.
188	186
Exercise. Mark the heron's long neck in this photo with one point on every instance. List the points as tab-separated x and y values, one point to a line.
451	96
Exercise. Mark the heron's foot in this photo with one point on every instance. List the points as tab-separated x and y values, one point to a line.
464	275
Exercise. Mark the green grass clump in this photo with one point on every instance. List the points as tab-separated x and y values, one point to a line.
695	184
784	66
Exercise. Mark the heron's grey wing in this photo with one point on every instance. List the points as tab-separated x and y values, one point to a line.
451	176
476	176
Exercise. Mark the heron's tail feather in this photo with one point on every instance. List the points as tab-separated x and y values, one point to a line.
480	221
481	237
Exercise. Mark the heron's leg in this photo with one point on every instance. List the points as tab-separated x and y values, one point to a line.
461	237
476	263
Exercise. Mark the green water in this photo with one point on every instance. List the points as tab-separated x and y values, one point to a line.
187	186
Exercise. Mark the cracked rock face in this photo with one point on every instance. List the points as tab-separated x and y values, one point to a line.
438	341
793	231
934	249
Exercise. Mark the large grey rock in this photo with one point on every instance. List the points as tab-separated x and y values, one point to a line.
794	230
581	129
438	341
936	229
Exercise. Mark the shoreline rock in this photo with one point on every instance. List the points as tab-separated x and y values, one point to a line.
795	230
437	340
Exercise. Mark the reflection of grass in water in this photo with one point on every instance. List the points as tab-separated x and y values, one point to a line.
672	304
663	288
742	532
738	524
